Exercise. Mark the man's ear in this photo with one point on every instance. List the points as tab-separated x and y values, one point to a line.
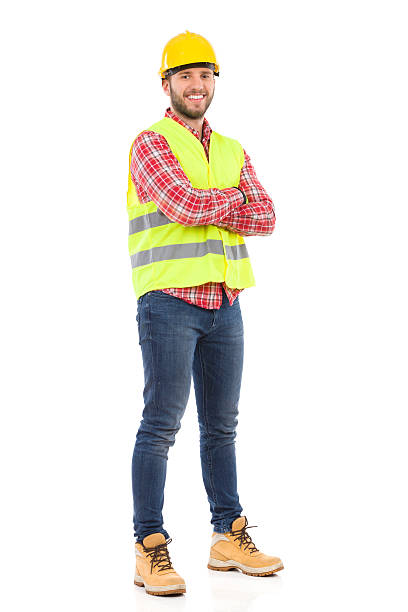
166	86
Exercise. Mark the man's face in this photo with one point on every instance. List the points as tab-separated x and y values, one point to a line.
192	81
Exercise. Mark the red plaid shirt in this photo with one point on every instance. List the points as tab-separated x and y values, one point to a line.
158	176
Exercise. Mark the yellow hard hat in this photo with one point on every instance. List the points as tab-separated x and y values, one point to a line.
187	50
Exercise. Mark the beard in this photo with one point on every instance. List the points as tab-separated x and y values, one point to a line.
179	104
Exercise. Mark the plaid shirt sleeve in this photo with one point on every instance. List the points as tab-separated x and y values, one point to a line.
158	176
257	216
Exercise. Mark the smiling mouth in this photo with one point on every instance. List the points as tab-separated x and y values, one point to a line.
196	98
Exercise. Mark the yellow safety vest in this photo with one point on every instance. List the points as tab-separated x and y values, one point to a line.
166	254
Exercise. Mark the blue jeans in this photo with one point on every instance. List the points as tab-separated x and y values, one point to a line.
178	340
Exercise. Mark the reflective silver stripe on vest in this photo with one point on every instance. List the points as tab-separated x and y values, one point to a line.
238	251
190	249
177	251
148	221
156	219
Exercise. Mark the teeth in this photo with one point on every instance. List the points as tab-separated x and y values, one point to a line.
195	97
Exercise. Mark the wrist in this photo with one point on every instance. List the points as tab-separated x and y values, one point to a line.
243	195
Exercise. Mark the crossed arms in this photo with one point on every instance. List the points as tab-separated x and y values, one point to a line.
158	176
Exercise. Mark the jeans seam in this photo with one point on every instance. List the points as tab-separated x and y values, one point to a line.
149	344
155	380
210	469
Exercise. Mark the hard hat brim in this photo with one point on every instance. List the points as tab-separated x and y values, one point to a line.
175	69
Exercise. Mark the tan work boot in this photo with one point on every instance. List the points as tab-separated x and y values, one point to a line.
235	549
154	570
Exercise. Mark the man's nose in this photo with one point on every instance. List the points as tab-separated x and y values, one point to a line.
197	82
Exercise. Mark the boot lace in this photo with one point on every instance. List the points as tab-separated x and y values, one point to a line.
159	556
244	538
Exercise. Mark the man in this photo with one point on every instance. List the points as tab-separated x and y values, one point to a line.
189	205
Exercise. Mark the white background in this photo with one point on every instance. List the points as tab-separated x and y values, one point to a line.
316	92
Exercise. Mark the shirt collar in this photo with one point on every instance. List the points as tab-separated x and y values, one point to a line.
206	126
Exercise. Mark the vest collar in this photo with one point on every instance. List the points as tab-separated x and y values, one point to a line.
206	126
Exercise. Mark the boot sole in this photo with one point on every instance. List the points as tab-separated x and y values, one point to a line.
224	566
160	590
